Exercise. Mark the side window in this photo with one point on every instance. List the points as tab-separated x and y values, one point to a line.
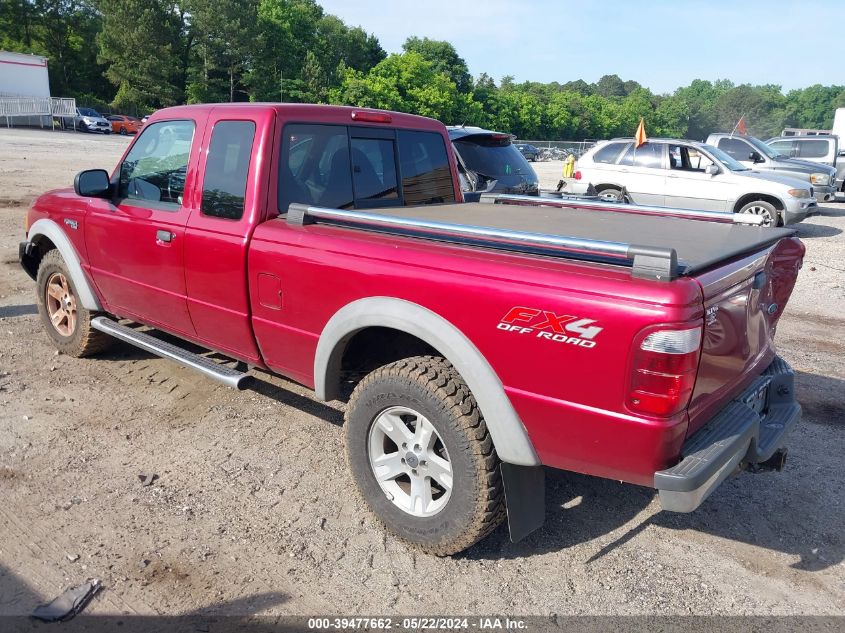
735	148
374	169
783	147
227	168
426	176
648	155
813	149
610	152
696	160
314	167
156	166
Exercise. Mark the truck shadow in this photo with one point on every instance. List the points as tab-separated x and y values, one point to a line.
821	399
262	383
796	512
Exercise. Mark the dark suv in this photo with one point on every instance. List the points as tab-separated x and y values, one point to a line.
490	162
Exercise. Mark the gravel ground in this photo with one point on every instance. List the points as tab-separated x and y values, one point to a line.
252	511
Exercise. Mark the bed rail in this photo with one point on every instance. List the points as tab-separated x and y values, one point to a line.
646	262
637	209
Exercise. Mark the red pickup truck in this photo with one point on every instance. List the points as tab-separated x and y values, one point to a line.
474	343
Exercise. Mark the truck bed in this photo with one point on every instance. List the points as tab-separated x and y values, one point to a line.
699	245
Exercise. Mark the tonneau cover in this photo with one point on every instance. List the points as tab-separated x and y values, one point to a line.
699	244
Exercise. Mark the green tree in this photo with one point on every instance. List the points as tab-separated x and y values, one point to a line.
813	107
226	31
62	31
406	83
443	58
151	80
610	86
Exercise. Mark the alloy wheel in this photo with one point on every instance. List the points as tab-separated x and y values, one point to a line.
409	461
61	304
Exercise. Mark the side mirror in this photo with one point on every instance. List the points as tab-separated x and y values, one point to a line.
712	170
755	157
92	183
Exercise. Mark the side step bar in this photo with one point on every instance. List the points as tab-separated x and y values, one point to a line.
228	376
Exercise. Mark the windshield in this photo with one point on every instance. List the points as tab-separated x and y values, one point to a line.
725	159
492	157
88	112
764	149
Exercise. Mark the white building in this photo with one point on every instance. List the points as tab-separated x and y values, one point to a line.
25	92
23	75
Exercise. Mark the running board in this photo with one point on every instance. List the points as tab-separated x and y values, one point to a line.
228	376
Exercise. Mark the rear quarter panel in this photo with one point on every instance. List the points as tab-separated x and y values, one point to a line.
570	397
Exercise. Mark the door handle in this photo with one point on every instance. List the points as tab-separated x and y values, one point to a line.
164	236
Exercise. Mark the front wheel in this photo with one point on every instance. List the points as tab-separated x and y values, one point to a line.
421	455
762	209
67	321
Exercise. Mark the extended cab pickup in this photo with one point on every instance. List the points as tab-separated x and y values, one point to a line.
474	343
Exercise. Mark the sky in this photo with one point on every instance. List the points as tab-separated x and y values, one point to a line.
662	44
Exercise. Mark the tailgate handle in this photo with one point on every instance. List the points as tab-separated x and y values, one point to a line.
759	280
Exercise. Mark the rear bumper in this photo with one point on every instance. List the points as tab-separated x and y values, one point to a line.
747	432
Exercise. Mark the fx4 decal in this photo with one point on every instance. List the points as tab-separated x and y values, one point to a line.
550	326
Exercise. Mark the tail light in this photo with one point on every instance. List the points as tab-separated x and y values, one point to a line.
663	369
371	117
577	175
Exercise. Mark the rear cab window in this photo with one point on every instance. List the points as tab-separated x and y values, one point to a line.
735	148
812	148
357	167
227	169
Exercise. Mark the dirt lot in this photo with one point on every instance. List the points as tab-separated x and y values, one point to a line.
253	511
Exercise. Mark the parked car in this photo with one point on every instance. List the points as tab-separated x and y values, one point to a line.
489	162
823	149
754	153
530	152
474	343
690	175
89	120
123	124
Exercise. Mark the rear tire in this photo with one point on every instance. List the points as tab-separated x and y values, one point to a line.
763	209
612	194
416	424
123	131
67	322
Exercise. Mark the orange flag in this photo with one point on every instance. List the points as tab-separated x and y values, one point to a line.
740	125
640	136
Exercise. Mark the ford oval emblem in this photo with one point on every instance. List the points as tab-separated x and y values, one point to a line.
773	307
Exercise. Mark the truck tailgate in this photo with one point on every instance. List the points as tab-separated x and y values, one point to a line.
743	301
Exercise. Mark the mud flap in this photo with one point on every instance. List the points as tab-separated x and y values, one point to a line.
525	497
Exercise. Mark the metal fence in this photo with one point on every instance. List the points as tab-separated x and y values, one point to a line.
16	107
559	150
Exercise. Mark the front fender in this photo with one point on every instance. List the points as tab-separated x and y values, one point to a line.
509	435
50	230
